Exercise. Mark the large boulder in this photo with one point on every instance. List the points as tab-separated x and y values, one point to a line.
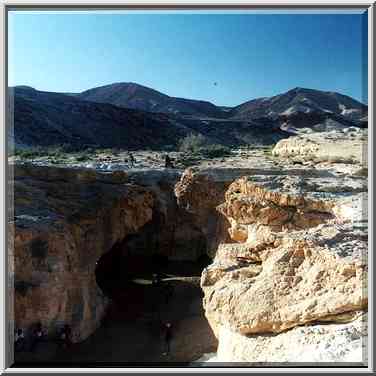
279	276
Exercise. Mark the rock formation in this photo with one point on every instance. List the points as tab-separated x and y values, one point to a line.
303	345
64	221
278	275
345	146
286	253
199	192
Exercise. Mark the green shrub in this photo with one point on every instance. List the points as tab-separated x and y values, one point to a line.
197	144
82	157
30	152
215	151
192	143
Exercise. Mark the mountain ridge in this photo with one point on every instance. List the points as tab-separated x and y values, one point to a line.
49	118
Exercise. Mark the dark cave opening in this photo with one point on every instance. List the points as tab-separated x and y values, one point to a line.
139	308
126	272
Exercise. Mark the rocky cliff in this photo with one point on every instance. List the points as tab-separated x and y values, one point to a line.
64	221
281	272
288	238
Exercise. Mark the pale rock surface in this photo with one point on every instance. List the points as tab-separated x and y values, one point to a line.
321	343
297	260
347	146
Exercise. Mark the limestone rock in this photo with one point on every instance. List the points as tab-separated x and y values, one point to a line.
303	345
199	192
295	283
64	221
341	146
279	276
254	211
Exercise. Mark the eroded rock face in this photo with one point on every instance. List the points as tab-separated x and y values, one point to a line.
199	192
295	283
256	212
173	231
302	345
64	220
278	276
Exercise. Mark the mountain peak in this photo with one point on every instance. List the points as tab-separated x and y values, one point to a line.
24	87
139	97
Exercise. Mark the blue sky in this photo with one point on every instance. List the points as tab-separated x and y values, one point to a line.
247	55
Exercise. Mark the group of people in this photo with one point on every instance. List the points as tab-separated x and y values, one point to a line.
38	335
132	161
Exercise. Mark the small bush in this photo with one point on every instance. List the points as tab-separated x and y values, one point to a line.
82	157
30	152
192	143
199	145
215	151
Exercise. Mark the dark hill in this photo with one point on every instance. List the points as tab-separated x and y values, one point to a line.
132	95
44	118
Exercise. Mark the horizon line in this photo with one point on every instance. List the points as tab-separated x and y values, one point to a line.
187	98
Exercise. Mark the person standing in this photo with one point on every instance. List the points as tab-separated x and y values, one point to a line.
131	159
168	162
168	338
66	336
19	340
37	336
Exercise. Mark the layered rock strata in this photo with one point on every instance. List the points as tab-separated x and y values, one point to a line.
64	221
278	275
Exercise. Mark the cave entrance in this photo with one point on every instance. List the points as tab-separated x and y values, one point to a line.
125	274
132	327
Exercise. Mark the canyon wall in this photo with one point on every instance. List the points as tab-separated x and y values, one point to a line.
288	247
64	221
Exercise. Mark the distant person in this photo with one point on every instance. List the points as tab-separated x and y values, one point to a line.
131	159
168	338
66	336
37	336
168	162
19	340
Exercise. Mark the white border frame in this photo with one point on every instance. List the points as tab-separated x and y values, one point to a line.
4	362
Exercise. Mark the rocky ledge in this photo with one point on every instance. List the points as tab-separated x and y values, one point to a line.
284	267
